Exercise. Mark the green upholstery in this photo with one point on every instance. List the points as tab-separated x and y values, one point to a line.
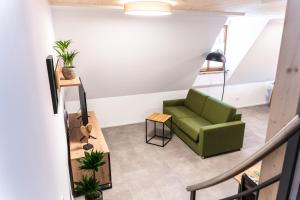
238	117
216	111
183	136
227	137
191	126
206	125
176	102
195	101
179	112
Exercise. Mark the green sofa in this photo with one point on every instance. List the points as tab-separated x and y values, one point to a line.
207	125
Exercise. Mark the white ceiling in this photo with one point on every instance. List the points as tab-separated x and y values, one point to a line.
254	68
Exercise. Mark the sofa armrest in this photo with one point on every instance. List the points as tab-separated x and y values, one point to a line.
175	102
238	117
221	138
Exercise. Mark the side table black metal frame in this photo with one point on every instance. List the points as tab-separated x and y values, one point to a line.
163	136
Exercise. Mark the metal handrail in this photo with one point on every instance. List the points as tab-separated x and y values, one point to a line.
280	138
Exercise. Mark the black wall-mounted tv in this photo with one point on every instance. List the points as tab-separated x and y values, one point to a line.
83	105
52	82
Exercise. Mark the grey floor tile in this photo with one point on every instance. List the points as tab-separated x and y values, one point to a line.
144	172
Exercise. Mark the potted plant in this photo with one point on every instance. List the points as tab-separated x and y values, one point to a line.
68	69
89	186
61	47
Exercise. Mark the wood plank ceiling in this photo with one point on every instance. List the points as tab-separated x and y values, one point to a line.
196	5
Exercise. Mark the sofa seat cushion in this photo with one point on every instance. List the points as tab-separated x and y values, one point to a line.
218	112
191	126
195	101
178	112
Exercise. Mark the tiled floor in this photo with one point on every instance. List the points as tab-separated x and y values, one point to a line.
145	172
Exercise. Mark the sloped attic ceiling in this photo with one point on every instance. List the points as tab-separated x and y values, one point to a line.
126	55
260	62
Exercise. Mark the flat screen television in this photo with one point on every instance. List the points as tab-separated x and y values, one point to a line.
52	82
83	105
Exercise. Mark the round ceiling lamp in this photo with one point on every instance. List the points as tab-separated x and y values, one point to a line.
148	8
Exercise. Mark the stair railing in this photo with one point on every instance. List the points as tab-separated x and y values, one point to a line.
274	143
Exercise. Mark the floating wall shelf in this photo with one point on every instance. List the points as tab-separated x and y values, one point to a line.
62	82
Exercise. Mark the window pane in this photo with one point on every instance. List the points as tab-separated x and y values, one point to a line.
218	45
215	64
220	42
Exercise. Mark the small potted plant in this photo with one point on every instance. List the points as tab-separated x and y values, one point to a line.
68	69
89	186
61	47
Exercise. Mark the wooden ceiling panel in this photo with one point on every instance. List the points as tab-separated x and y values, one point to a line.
219	5
193	5
87	2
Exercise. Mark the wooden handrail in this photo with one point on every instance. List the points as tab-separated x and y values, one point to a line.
275	142
254	189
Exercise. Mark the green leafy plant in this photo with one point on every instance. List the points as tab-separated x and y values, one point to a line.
68	58
92	161
61	46
89	187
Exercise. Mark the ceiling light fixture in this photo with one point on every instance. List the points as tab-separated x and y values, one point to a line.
148	8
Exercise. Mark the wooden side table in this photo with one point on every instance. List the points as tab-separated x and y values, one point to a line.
253	172
159	118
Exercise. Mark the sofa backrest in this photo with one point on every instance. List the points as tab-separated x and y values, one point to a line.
195	101
218	112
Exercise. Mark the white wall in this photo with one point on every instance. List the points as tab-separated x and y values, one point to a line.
33	150
208	79
127	109
115	111
242	95
260	63
126	55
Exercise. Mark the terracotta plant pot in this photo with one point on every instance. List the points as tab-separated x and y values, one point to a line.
68	73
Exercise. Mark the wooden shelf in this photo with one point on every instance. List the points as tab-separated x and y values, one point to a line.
62	82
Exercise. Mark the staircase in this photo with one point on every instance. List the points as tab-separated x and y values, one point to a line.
289	134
